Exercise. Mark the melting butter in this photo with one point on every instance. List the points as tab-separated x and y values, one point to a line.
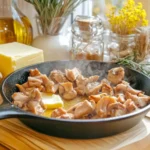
52	101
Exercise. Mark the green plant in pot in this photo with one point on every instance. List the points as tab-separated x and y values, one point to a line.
51	16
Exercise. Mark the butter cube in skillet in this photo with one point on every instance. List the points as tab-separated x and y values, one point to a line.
15	55
52	101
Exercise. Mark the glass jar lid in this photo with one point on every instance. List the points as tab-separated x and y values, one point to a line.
87	27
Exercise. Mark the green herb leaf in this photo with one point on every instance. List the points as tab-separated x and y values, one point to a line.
130	63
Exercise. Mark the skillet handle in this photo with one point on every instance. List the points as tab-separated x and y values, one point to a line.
10	111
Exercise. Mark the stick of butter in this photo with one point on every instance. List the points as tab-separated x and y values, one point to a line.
16	55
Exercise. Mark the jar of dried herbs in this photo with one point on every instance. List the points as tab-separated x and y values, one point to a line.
121	46
142	48
87	42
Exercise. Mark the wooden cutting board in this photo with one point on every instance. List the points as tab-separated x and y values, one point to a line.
16	136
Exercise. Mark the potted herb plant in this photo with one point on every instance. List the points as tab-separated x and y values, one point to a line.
51	16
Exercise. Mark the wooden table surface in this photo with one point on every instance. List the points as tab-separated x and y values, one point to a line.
14	135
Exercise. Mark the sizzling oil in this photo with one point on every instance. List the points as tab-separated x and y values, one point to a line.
67	105
14	30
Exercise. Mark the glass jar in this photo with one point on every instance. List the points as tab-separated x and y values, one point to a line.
142	48
121	46
87	39
14	25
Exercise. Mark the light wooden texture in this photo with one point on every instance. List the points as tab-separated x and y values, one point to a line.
148	115
143	144
15	135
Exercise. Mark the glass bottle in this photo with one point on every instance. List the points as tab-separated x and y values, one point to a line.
87	38
121	46
14	25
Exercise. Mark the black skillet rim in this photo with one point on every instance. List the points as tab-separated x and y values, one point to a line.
111	119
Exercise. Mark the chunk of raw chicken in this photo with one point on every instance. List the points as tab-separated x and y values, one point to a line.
97	97
34	82
40	88
35	107
139	101
116	109
34	72
133	91
72	74
35	104
93	88
106	88
19	99
67	116
82	83
49	85
58	112
61	113
121	98
105	81
21	88
41	81
130	105
81	109
93	79
26	89
58	76
67	91
122	88
103	104
32	102
116	75
36	95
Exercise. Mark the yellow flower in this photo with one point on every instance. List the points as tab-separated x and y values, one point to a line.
139	6
128	18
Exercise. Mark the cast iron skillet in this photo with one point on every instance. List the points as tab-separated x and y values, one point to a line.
73	128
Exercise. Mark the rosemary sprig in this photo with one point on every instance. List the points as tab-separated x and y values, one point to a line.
130	63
